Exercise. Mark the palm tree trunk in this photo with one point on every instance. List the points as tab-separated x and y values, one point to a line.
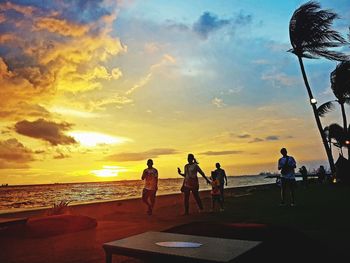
345	124
317	118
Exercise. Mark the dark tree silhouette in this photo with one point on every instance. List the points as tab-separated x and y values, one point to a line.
340	84
337	133
311	37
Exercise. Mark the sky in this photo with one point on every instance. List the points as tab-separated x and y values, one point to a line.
89	90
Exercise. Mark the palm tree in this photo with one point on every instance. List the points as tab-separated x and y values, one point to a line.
337	136
340	84
311	37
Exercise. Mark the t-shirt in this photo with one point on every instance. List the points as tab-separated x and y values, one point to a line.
151	178
291	164
220	173
191	179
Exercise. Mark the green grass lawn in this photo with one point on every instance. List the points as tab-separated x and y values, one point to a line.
322	212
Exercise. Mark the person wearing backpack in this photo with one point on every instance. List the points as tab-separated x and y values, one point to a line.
287	165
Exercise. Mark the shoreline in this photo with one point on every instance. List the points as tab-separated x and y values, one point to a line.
124	180
98	208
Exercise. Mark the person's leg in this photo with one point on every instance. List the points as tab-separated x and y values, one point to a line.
152	197
197	198
283	190
212	203
221	203
145	197
186	200
222	193
292	191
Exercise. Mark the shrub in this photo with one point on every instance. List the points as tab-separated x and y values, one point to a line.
58	208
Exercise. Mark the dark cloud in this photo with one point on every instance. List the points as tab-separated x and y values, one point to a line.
209	22
49	131
244	136
256	140
221	152
138	156
272	138
14	154
177	26
81	11
268	138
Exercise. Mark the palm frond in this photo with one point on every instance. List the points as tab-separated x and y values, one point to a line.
338	133
340	80
325	108
328	54
311	35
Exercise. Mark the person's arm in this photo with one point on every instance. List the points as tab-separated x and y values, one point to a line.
156	178
225	178
294	163
143	175
199	170
179	172
279	165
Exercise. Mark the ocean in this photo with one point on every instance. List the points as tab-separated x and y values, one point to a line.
46	195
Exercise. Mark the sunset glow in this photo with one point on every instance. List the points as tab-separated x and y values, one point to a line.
92	139
108	171
92	89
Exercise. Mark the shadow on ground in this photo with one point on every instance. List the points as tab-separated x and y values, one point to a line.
279	244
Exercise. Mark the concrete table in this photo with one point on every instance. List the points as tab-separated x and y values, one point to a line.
143	246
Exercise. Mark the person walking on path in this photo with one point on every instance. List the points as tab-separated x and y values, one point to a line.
190	183
221	175
287	165
216	193
303	172
150	176
321	174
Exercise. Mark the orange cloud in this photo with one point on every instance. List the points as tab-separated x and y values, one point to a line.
25	10
21	87
14	154
49	131
4	38
61	27
49	55
2	18
17	111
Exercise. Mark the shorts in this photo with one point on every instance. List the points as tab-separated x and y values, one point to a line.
286	182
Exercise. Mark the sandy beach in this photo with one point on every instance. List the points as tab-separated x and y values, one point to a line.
120	219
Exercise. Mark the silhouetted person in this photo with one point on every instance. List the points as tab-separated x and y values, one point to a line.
150	175
303	172
221	175
190	183
215	192
321	174
287	165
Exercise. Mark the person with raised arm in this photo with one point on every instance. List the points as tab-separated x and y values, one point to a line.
190	183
